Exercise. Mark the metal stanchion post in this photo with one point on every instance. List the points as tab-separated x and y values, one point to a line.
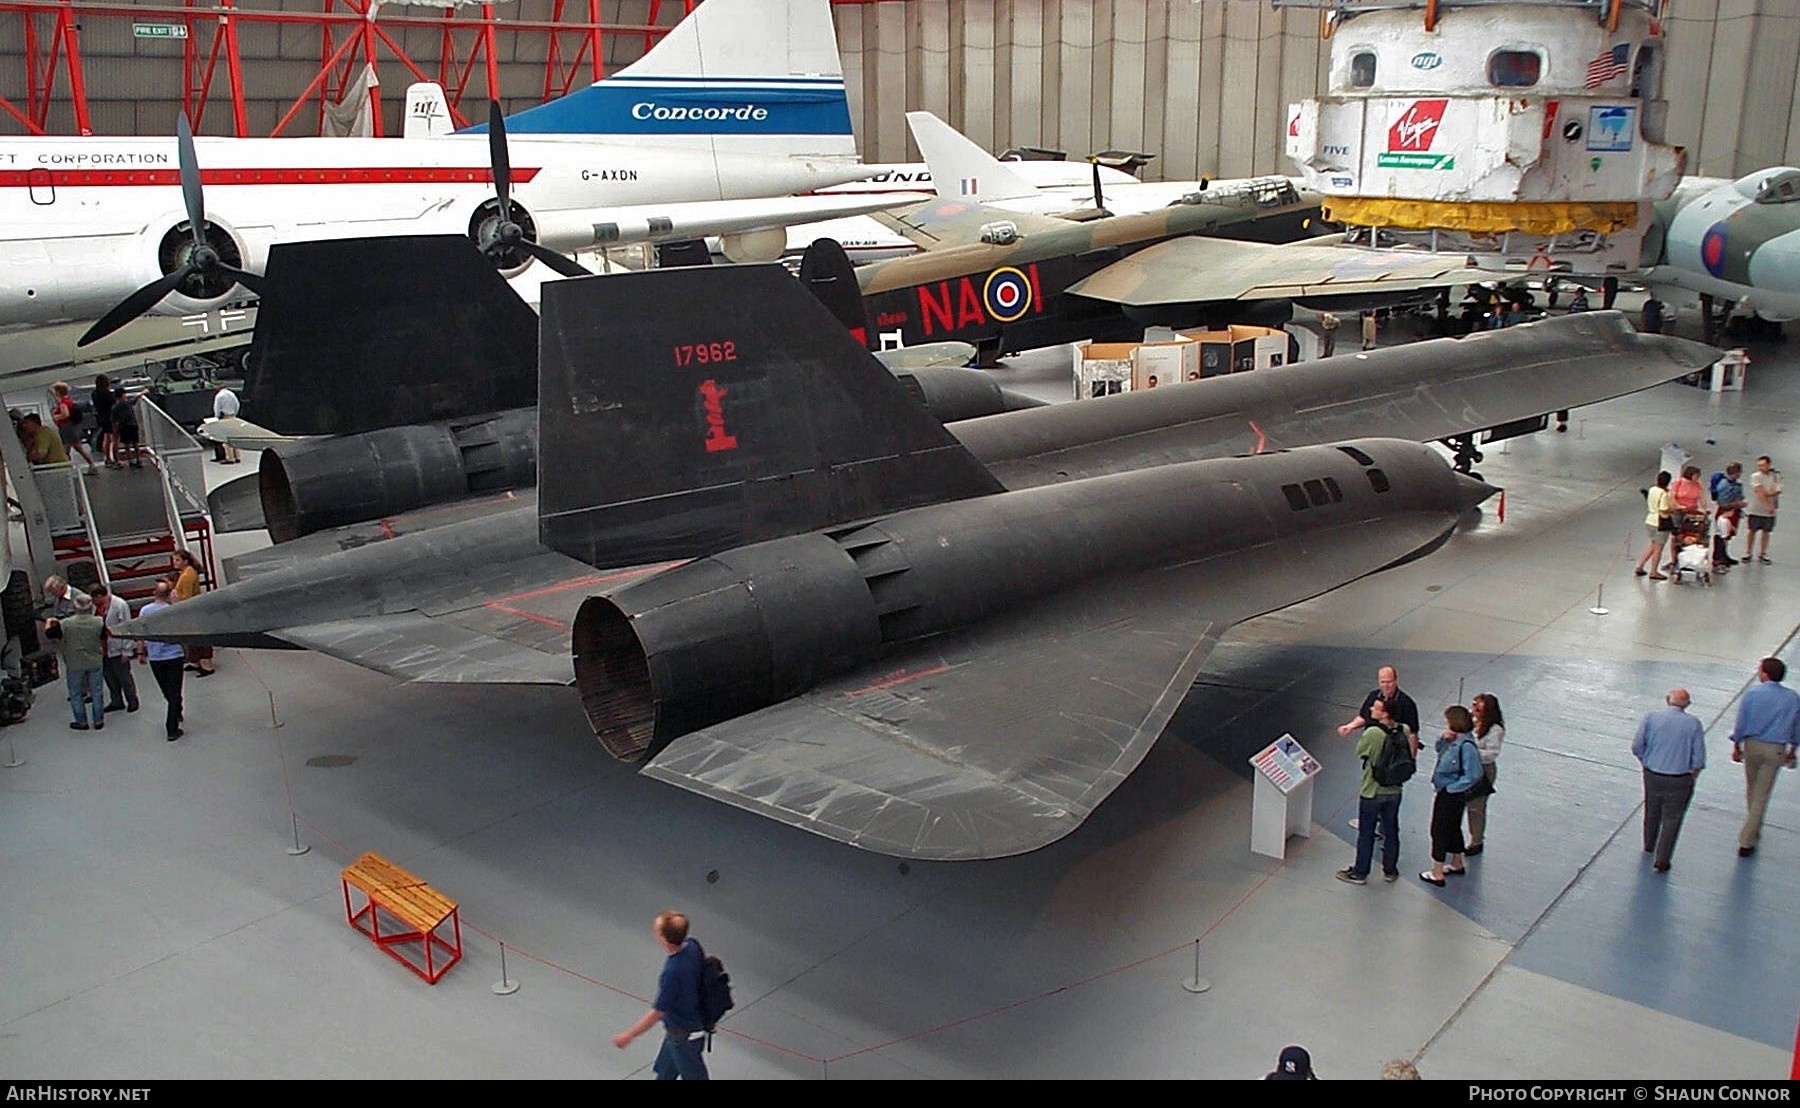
13	761
298	848
1600	608
506	986
1198	984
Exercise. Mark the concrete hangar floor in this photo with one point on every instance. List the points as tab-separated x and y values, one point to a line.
154	924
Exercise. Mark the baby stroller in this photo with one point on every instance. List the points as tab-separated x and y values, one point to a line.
1690	549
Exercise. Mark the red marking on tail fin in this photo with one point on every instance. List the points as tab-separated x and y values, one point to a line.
712	398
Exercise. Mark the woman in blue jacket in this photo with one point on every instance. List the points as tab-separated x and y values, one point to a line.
1458	768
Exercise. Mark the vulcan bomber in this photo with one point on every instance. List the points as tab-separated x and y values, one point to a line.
1736	244
775	579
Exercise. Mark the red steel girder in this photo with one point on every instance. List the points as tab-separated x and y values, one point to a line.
350	36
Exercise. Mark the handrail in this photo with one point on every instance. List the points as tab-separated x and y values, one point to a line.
87	522
157	424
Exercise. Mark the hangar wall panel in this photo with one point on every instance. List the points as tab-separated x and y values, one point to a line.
1202	83
134	85
1205	83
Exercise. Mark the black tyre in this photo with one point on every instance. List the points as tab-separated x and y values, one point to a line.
19	613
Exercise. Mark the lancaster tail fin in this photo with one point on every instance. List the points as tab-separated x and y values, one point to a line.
826	271
747	413
736	76
960	168
359	334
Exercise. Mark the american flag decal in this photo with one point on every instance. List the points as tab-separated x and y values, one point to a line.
1609	66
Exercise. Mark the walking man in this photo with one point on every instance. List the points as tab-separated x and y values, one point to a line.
225	406
1759	508
1764	738
1328	329
1671	745
165	663
677	1005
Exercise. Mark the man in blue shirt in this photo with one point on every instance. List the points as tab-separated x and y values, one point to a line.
677	1005
1764	738
1672	747
166	659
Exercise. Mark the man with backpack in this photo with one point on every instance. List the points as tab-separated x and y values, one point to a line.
691	995
1727	489
1388	760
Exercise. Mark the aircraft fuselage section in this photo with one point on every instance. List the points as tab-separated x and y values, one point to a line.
87	220
1721	241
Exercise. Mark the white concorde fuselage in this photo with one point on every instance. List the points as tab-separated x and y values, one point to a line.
84	220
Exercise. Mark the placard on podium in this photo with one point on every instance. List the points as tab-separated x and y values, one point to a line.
1283	798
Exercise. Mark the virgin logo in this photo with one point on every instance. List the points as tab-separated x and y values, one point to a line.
1418	126
712	400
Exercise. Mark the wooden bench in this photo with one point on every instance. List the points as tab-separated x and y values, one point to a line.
418	910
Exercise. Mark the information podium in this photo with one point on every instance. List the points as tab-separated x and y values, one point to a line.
1283	799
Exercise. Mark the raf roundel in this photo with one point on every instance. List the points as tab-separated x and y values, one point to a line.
1712	250
1007	294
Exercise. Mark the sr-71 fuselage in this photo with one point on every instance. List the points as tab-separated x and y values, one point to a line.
776	580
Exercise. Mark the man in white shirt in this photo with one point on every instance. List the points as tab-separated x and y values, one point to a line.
225	406
1759	508
121	687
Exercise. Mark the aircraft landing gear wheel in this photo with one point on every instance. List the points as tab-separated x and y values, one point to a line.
1466	453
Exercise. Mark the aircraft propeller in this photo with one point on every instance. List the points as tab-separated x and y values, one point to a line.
203	259
507	234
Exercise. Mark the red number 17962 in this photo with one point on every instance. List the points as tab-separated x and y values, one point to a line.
705	353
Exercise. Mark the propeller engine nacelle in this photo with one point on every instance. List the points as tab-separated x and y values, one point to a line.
491	235
167	243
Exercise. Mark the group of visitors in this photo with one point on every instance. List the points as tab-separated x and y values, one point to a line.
1670	744
116	433
1465	766
87	629
1683	509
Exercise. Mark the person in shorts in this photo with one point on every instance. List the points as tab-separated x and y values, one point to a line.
1759	509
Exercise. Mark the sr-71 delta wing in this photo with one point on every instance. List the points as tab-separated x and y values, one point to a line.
776	580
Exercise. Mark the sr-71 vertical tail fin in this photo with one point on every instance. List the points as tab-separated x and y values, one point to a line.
667	435
359	334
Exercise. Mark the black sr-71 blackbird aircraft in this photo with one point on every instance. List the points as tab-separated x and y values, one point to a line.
776	580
